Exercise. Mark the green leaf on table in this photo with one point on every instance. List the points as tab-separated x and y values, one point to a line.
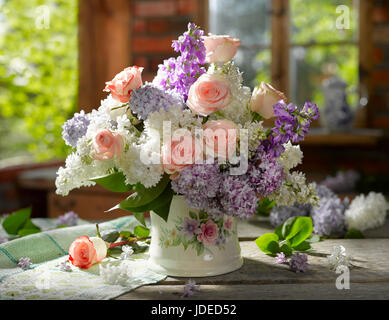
141	232
16	221
110	235
268	243
115	182
300	230
354	234
284	229
303	246
126	234
287	249
25	231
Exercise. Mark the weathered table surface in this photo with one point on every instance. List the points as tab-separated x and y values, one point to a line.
261	278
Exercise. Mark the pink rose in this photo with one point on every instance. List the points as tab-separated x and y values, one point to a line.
85	252
179	153
220	48
124	82
208	94
228	223
208	233
263	98
220	137
106	145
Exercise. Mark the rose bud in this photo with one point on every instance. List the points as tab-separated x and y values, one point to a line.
263	98
124	82
220	48
85	252
220	137
106	145
208	94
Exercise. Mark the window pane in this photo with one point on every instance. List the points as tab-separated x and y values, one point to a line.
309	67
38	72
248	20
323	21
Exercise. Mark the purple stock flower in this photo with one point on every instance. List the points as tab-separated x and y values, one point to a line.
180	73
24	263
299	262
190	227
150	98
75	128
280	258
69	218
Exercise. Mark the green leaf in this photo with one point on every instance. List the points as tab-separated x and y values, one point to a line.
162	204
265	243
141	232
354	234
115	182
286	248
192	215
25	231
143	196
14	222
283	230
264	206
314	238
126	234
110	235
140	216
303	246
300	230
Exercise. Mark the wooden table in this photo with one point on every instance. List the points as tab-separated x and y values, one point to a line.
261	278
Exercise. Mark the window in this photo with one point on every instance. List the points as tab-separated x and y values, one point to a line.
294	44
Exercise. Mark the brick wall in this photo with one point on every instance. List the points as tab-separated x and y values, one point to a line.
155	23
379	92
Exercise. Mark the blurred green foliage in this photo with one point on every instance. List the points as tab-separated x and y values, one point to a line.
314	23
38	76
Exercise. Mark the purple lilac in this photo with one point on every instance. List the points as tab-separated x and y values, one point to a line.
280	258
75	128
69	218
239	198
299	262
3	240
190	289
342	182
151	98
266	176
279	214
24	263
180	73
328	218
190	227
65	266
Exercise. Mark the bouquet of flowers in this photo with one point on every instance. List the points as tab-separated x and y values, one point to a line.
195	131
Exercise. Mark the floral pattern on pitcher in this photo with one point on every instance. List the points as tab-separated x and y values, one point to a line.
198	231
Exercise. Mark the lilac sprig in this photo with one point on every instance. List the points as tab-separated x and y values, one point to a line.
69	219
24	263
75	128
180	73
299	262
190	289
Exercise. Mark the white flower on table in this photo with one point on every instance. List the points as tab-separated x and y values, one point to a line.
338	257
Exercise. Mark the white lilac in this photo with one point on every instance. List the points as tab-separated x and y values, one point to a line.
69	219
116	274
151	98
366	212
299	262
190	289
338	257
65	266
24	263
127	252
291	157
75	128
